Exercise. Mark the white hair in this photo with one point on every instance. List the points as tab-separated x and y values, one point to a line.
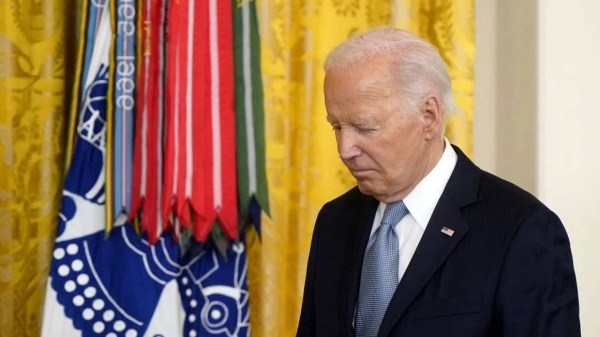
417	64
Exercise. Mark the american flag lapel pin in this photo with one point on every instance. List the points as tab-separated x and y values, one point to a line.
447	231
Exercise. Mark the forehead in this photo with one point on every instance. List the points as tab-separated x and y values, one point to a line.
359	93
372	80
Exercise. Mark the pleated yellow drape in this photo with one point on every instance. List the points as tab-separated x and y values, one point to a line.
303	168
450	26
33	97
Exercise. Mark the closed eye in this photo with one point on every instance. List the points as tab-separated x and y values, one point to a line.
365	130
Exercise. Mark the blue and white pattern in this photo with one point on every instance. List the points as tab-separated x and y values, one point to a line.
119	285
379	278
122	286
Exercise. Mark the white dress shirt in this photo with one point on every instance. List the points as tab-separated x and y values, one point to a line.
421	202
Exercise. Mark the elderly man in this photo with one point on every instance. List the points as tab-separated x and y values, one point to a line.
427	244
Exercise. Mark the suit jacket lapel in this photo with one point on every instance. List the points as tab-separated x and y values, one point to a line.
435	246
360	223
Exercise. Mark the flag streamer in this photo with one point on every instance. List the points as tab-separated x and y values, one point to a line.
120	113
148	156
250	136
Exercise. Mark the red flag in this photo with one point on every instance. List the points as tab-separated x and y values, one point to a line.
214	187
148	157
200	182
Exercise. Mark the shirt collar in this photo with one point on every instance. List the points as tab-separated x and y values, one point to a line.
421	201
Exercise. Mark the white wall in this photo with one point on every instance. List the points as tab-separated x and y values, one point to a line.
484	100
568	175
537	91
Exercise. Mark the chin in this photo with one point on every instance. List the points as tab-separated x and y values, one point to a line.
365	188
368	188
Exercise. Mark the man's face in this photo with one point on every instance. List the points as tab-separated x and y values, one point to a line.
383	146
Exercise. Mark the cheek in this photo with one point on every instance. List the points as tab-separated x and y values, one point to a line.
395	160
385	162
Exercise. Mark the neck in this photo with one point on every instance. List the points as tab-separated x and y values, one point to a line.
435	154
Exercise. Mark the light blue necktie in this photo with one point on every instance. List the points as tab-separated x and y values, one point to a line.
379	277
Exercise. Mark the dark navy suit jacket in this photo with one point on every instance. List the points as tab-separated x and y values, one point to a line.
506	271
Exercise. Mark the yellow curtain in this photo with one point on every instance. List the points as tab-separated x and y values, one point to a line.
303	167
33	41
450	26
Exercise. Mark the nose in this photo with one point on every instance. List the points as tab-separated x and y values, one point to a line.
347	147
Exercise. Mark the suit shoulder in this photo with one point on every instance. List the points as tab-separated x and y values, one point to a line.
506	204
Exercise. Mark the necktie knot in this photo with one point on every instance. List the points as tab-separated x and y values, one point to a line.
394	212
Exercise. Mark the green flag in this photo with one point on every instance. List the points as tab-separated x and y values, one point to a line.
250	129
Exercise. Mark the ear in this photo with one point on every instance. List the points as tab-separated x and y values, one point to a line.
432	117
